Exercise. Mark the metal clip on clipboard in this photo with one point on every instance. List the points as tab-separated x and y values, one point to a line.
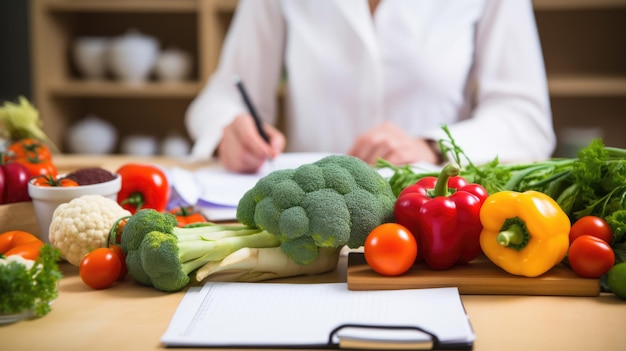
356	336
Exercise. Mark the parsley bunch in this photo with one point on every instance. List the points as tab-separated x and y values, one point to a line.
24	288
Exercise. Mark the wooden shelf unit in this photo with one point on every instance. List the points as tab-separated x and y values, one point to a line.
584	52
582	40
63	97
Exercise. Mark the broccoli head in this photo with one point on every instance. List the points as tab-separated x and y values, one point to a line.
169	274
333	202
137	226
162	255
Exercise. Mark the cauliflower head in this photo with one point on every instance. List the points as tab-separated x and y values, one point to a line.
83	224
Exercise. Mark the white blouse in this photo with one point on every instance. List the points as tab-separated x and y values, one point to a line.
475	65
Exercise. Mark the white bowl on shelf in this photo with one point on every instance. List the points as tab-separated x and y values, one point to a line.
90	56
139	145
175	145
91	135
46	199
173	65
132	56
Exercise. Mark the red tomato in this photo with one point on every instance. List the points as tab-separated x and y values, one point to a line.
30	149
100	268
36	168
590	257
120	253
187	215
591	225
115	235
390	249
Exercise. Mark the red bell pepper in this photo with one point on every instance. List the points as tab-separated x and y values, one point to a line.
444	216
143	186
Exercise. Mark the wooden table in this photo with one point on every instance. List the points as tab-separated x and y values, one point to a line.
128	316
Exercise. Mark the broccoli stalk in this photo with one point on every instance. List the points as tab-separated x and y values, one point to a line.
256	264
162	255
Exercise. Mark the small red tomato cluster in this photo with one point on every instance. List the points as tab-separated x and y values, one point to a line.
590	254
22	160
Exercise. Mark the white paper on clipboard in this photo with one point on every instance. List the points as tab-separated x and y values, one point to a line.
297	315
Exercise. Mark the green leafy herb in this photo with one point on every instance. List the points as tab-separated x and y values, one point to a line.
593	183
24	288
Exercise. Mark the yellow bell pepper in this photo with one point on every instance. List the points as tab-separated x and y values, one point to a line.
524	233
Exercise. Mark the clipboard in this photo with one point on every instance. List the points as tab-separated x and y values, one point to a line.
323	316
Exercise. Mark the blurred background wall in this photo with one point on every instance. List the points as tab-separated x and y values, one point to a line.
15	75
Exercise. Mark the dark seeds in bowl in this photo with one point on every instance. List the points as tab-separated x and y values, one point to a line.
93	175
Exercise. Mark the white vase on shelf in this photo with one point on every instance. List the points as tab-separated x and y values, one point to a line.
89	54
132	56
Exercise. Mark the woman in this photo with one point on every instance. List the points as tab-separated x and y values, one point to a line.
378	79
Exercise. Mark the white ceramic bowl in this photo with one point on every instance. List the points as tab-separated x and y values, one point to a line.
175	146
173	65
91	135
46	199
90	56
140	145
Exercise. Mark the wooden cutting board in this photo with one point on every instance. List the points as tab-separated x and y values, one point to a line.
479	277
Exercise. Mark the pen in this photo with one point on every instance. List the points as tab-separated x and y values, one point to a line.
251	109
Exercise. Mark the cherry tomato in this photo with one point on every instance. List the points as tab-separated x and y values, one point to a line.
616	278
591	225
115	235
590	257
390	249
187	215
120	253
52	181
100	268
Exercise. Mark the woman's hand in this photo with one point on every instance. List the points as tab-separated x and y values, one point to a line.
392	144
243	150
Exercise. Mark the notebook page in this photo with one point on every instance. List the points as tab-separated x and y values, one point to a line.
248	314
